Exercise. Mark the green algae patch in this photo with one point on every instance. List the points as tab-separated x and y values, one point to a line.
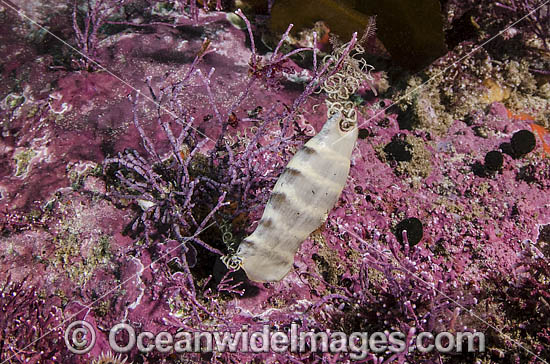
418	166
22	161
68	255
13	101
77	172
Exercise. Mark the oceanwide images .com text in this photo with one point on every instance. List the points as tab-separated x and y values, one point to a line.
80	338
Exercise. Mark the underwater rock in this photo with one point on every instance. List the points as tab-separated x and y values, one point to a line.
303	14
58	223
463	28
412	32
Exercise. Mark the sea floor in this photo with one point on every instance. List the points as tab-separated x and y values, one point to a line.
129	172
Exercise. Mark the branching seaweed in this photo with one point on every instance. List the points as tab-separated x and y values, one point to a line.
25	317
87	27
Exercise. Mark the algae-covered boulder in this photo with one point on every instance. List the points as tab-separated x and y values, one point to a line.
411	31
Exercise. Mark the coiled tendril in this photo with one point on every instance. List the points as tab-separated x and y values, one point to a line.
353	74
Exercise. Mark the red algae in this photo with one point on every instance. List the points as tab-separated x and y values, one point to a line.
123	191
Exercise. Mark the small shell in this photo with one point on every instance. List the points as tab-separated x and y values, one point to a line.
303	196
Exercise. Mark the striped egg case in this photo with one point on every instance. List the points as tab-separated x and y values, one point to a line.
300	202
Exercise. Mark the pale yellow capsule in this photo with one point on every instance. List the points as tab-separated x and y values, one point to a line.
304	194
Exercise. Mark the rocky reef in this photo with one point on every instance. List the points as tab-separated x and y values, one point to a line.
141	140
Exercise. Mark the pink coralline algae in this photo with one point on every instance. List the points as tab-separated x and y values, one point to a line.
30	330
125	191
